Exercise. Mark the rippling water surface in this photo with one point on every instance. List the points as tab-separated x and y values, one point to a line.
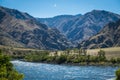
40	71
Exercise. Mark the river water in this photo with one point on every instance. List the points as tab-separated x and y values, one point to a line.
41	71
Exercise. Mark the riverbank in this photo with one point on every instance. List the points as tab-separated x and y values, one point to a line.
67	57
73	59
74	64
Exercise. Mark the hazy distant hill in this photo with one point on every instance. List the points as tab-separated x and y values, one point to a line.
19	29
81	27
109	36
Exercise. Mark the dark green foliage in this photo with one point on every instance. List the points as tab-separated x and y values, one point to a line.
118	60
61	59
68	51
6	69
37	56
113	60
118	74
64	58
101	55
50	58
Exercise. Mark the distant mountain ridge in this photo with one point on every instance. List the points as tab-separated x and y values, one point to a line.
18	29
109	36
58	21
81	27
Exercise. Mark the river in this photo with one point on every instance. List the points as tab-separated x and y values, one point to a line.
41	71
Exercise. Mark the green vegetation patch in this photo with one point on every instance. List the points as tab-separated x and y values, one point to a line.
118	74
7	72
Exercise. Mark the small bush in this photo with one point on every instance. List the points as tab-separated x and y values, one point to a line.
61	59
118	74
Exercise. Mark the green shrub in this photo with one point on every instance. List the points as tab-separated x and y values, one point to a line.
118	60
50	59
6	69
113	60
37	56
118	74
101	55
61	59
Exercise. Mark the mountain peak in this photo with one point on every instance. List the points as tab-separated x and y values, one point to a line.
19	29
81	27
95	10
100	12
15	13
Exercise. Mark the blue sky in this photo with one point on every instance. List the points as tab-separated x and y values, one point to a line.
50	8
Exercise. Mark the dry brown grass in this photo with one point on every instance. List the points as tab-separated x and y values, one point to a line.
110	52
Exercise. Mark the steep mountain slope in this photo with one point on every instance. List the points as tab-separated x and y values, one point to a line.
79	28
19	29
59	22
109	36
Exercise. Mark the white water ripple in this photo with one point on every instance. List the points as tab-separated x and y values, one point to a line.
40	71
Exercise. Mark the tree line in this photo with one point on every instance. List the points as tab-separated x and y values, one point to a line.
44	56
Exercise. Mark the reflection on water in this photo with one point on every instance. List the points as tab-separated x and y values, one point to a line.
40	71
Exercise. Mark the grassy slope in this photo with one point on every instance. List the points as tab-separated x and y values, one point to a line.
110	52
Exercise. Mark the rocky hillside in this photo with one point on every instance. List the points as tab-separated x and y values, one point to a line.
58	22
19	29
81	27
109	36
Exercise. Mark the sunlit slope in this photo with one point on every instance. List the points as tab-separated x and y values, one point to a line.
113	52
